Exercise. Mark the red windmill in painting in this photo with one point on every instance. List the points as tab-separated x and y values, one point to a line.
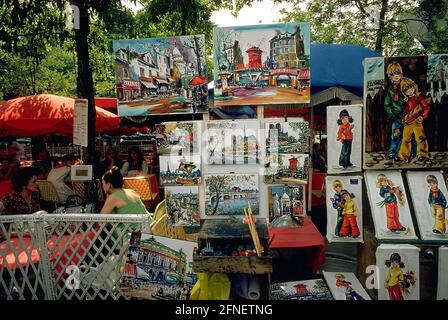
254	54
301	289
293	162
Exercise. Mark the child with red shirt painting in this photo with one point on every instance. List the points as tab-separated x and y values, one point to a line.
345	135
416	110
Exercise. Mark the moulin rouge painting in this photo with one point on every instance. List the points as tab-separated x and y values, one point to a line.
262	64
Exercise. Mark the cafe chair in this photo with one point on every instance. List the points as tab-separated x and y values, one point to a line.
79	188
160	225
48	192
142	186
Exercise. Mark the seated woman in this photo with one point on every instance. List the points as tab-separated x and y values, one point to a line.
136	164
25	196
119	200
111	160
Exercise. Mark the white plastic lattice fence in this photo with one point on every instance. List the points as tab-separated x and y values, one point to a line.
64	256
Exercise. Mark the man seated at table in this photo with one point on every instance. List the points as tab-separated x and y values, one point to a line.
60	175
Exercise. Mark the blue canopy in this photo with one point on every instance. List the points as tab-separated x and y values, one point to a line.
338	65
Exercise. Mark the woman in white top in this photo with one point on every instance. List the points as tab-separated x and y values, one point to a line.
136	164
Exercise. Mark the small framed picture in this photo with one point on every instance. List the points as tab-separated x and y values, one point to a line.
81	173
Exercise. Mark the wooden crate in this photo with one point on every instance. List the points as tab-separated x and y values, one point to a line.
232	231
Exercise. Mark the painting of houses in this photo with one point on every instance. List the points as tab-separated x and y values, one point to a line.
286	168
161	75
287	137
229	194
178	138
315	289
180	170
159	268
182	205
285	200
406	104
233	142
262	64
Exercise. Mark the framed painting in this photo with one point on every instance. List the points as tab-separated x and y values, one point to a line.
180	170
429	197
160	75
344	208
230	194
399	272
344	127
292	136
159	268
286	200
262	64
442	276
405	102
286	168
178	138
182	206
314	289
345	286
233	142
389	205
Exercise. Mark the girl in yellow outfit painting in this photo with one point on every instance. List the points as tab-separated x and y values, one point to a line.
395	277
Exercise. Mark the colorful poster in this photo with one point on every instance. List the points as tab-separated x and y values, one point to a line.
160	75
292	136
399	272
180	170
178	138
345	286
159	268
262	64
229	194
429	197
405	108
389	205
286	200
344	127
344	208
315	289
182	205
286	168
233	142
442	276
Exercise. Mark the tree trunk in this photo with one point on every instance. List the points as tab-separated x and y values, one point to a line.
85	79
382	24
198	54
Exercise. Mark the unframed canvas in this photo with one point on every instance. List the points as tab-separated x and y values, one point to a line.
290	136
180	170
262	64
230	194
345	286
344	208
344	127
442	276
159	268
399	272
285	200
178	138
161	75
233	142
406	104
429	197
182	205
315	289
389	205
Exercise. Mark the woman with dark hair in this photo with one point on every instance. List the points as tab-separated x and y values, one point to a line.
111	160
120	200
25	196
136	164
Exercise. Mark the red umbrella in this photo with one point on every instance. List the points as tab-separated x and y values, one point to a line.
197	81
46	114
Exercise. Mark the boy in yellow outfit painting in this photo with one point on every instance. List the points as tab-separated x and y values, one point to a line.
416	110
437	201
